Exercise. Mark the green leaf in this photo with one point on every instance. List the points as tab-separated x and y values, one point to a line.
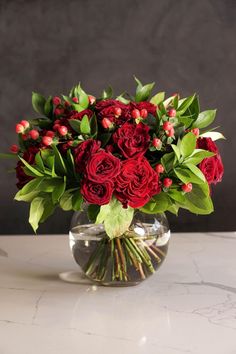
71	163
25	197
38	102
187	176
122	99
198	201
85	125
48	107
158	98
8	156
167	161
157	204
176	151
104	138
196	171
213	135
188	144
184	104
77	200
173	208
75	125
198	155
116	219
108	93
204	119
83	97
34	171
176	195
93	210
60	167
31	186
94	126
58	190
36	212
143	92
49	208
41	122
66	200
39	162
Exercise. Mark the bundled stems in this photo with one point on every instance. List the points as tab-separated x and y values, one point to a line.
124	259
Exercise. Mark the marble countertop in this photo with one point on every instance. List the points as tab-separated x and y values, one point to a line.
188	306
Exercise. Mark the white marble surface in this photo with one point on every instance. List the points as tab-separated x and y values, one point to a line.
189	306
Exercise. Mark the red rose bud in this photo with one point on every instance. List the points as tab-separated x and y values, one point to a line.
159	168
92	99
196	132
14	149
47	140
172	113
143	113
171	133
106	123
167	126
75	100
187	187
25	123
117	111
34	134
62	130
50	133
19	128
56	100
156	142
167	182
56	126
135	113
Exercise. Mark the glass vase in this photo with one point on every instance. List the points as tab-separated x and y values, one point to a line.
121	261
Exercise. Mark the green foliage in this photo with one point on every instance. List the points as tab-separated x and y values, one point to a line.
143	92
36	212
93	211
48	107
38	102
107	93
85	125
188	144
213	135
158	204
204	119
115	218
75	125
158	98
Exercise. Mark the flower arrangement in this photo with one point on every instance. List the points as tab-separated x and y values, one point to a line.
117	155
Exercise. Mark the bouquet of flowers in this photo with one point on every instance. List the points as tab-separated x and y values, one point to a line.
117	155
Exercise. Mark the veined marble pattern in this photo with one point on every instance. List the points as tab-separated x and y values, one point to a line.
188	306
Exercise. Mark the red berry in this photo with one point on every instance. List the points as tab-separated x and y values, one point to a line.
58	112
25	123
167	182
159	168
156	142
50	133
67	104
171	132
24	137
117	111
19	128
62	130
47	140
135	113
70	142
143	113
92	99
75	99
195	131
56	100
56	126
187	187
106	123
14	149
172	113
34	134
167	126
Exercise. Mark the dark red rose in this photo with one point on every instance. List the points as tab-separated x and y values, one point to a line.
80	115
102	167
136	183
28	156
211	167
97	193
151	108
108	108
132	139
83	152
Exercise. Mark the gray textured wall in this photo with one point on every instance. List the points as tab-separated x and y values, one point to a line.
185	46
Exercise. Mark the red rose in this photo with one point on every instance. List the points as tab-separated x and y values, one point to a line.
80	115
102	166
83	152
107	109
132	139
28	156
97	193
150	107
211	167
136	183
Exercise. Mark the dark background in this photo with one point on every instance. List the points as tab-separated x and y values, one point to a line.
185	46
